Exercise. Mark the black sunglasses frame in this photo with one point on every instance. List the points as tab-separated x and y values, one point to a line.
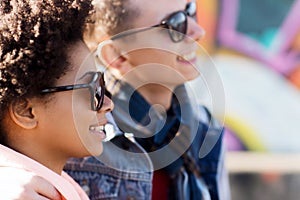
97	80
190	11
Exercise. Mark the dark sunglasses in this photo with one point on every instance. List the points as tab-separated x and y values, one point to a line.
176	23
96	87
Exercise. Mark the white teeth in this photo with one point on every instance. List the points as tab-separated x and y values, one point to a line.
189	56
97	128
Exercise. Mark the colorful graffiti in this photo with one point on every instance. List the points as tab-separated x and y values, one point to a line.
262	29
256	47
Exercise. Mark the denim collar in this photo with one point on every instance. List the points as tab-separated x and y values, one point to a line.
137	116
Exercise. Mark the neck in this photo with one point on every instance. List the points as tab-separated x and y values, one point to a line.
46	157
157	94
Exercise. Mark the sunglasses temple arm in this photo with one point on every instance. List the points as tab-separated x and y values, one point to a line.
124	34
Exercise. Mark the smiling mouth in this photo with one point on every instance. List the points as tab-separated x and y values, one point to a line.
190	57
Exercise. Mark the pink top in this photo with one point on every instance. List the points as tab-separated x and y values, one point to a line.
68	188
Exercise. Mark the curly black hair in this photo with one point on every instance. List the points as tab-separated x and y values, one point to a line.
110	17
114	16
34	39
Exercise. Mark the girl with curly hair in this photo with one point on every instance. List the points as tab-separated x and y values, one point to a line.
52	102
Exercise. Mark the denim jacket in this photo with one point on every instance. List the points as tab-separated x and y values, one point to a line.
114	174
184	134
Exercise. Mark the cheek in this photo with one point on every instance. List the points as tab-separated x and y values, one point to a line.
59	128
83	116
66	124
61	112
155	56
83	120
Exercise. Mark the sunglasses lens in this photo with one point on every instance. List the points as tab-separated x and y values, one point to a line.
99	93
191	9
177	26
97	99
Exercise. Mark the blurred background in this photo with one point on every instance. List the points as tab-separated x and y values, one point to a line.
255	45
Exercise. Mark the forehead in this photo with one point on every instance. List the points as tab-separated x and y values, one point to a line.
152	12
81	60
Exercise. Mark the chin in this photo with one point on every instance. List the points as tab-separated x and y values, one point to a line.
96	150
192	77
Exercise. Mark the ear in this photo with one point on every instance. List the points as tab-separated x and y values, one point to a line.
111	57
22	113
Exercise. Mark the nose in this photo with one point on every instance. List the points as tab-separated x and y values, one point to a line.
107	106
195	31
